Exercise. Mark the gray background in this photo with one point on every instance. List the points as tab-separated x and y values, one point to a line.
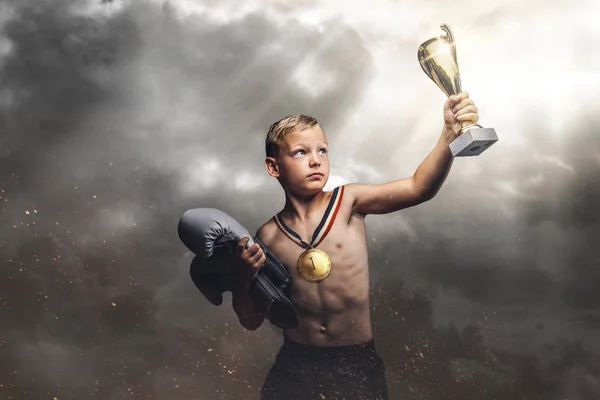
115	117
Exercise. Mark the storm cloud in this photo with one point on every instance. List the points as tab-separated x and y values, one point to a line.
115	117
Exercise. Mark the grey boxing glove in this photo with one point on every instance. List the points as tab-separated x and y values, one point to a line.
213	235
203	230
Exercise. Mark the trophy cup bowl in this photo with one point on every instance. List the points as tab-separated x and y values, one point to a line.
438	60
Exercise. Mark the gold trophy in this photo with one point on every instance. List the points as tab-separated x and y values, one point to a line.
437	57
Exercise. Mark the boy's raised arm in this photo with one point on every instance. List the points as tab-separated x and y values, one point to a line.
429	176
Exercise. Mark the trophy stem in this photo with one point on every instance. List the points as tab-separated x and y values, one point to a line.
465	126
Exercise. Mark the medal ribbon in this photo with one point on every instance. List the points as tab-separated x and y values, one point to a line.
326	221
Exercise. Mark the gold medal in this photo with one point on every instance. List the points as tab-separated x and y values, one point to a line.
314	265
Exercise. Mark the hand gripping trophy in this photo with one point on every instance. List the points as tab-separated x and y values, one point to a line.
437	57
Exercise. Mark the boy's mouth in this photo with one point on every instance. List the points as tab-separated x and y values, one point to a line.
316	175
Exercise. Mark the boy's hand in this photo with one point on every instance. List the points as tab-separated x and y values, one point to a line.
458	109
247	263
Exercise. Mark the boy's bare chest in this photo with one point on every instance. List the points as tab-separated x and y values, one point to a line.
345	239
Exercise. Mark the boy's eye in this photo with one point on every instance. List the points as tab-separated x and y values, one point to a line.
303	152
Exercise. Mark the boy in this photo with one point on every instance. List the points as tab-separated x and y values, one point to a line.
320	238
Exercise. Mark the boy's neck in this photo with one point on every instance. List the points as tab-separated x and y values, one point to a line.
299	208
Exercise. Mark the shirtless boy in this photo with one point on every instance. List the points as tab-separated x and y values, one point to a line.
331	354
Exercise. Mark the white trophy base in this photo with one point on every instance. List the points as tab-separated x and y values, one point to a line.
473	141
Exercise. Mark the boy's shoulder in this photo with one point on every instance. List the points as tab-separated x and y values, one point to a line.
267	231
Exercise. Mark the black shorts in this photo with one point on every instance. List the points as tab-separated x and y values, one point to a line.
303	372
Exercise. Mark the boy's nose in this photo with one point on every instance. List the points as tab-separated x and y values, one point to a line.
314	160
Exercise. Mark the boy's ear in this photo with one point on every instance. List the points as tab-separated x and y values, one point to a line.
272	167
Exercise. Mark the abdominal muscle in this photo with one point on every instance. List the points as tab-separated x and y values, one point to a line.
335	311
334	314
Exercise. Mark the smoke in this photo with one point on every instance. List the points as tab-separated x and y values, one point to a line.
118	116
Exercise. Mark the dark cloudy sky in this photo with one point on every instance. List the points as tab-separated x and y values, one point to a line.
115	117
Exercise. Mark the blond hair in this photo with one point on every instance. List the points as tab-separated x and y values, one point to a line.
287	125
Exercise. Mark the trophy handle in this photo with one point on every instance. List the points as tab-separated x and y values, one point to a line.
422	58
448	31
450	39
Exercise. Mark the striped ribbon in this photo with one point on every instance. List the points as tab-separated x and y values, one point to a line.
323	227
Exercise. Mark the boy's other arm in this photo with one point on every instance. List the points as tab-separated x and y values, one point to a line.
427	180
250	312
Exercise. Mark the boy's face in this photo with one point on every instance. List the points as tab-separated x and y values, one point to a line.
302	164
